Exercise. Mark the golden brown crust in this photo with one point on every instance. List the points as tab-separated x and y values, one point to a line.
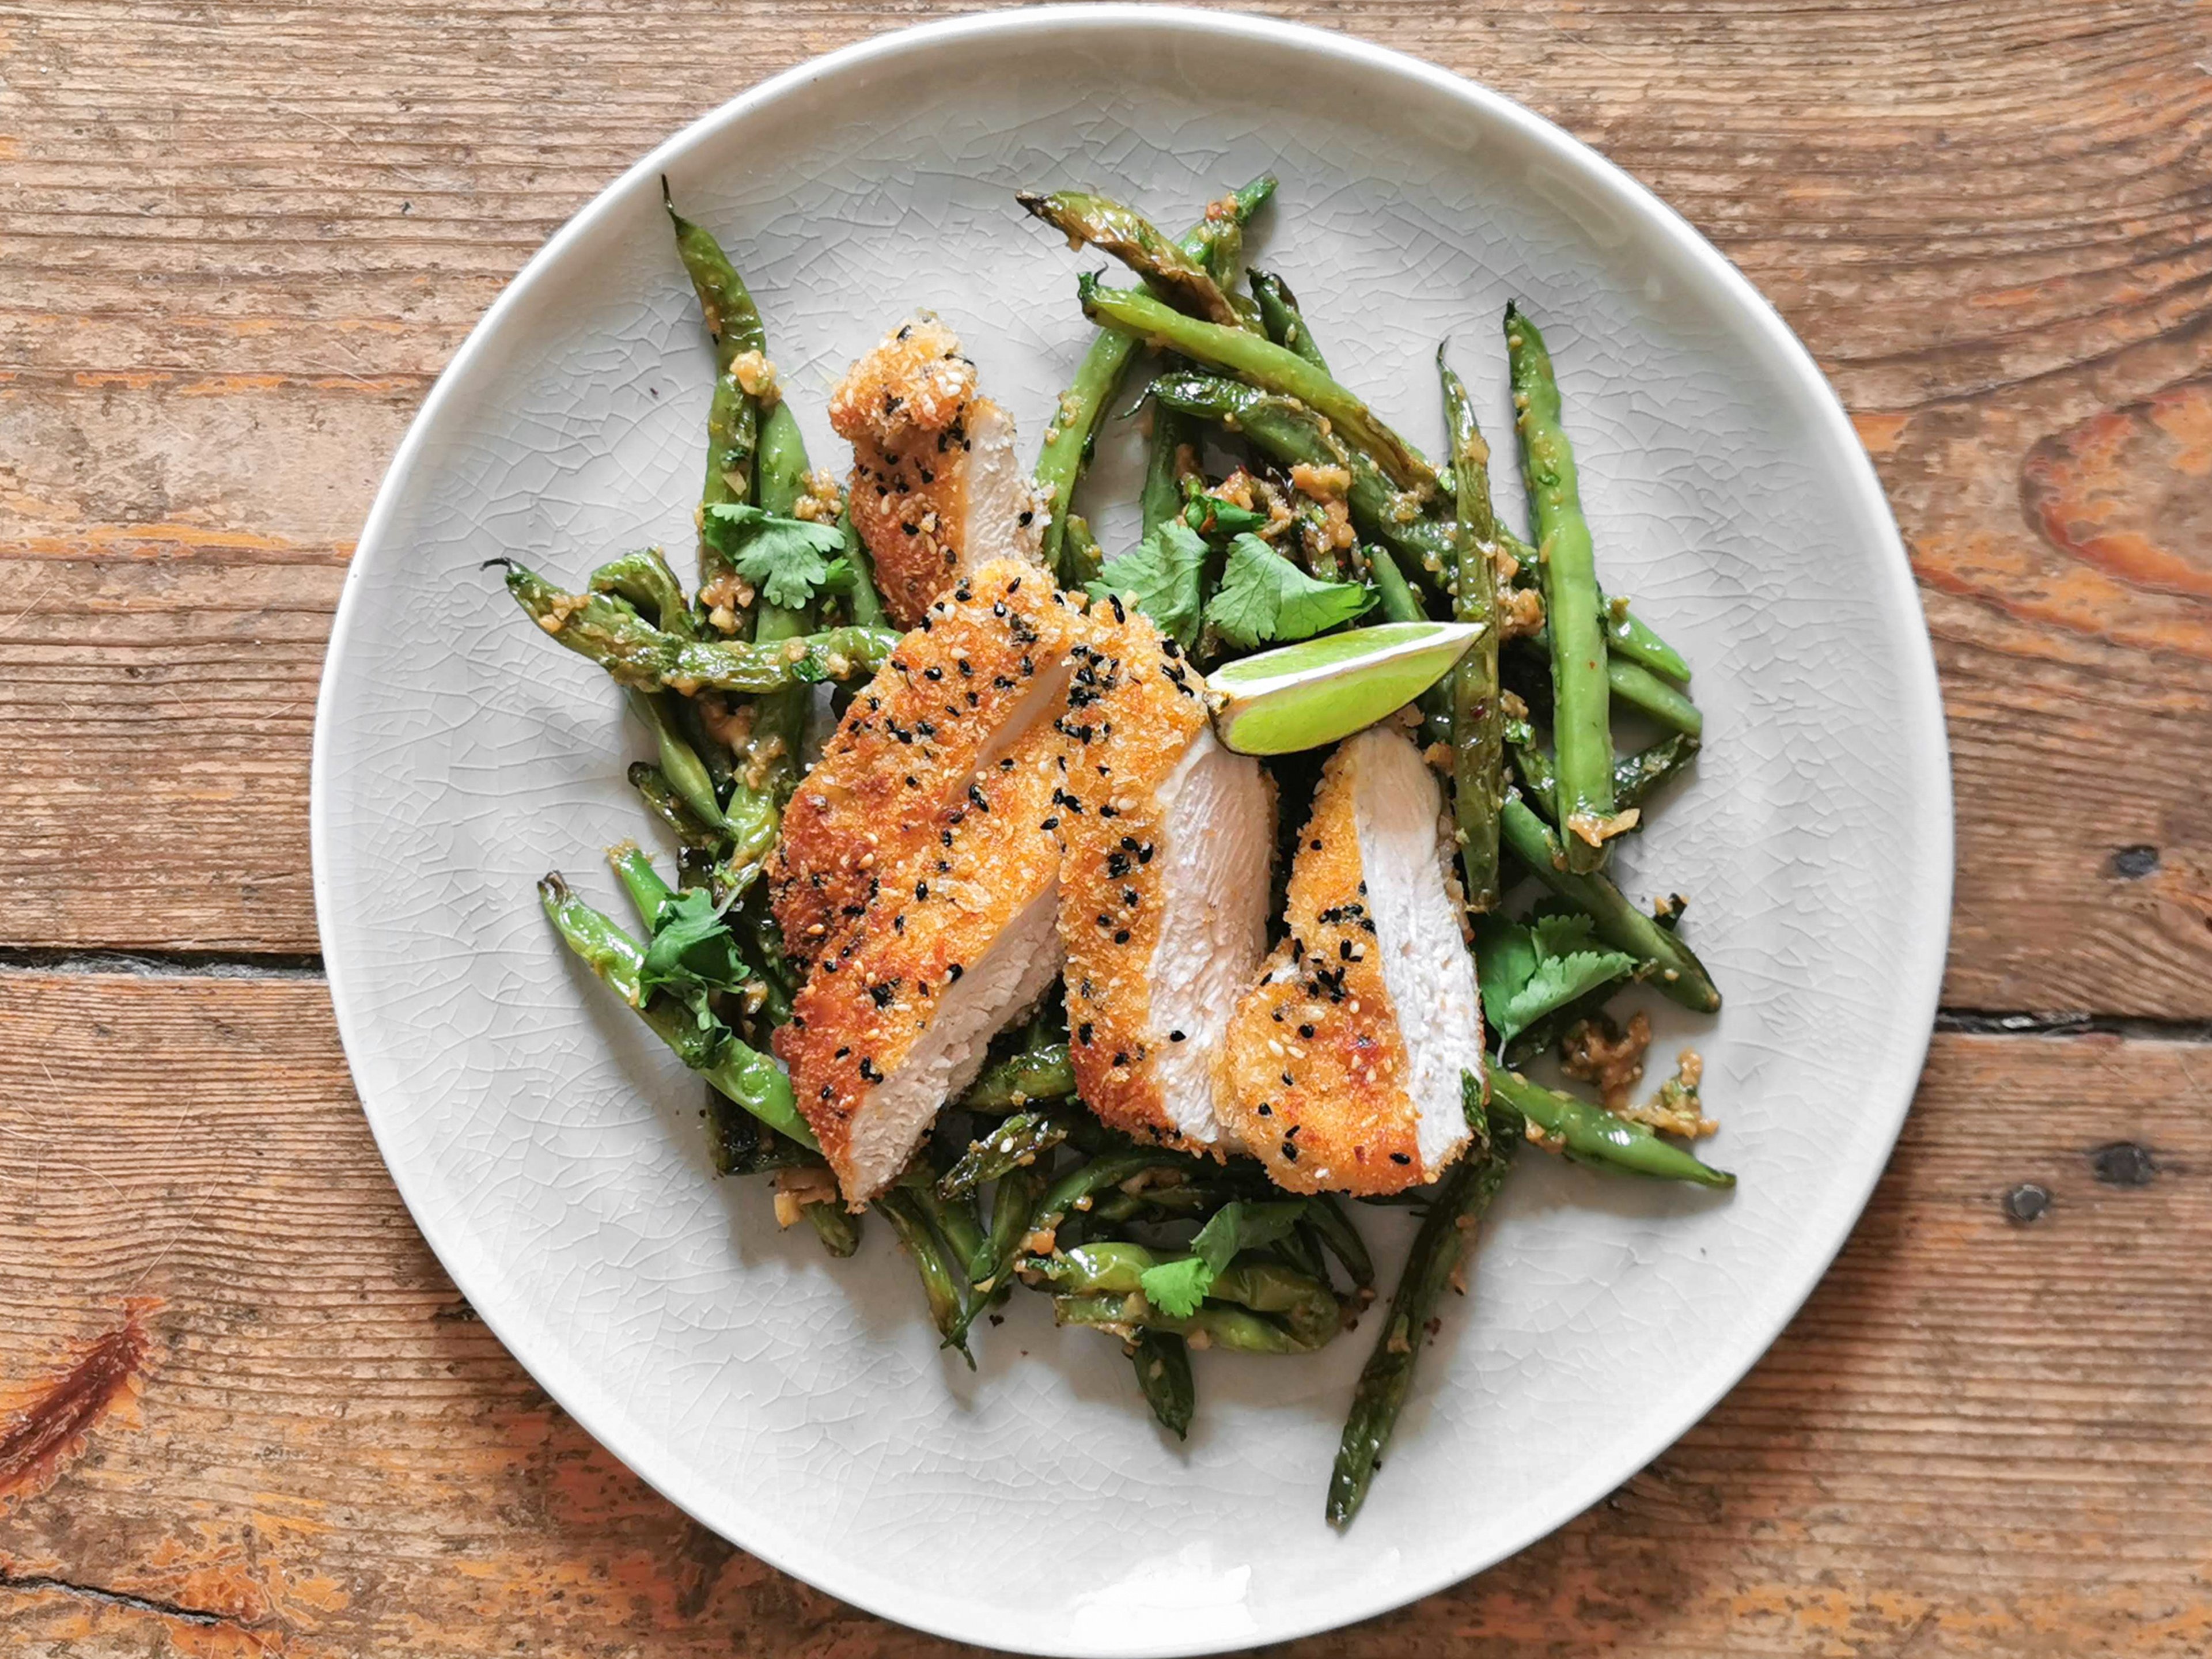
1314	1070
908	408
1134	706
902	760
857	1018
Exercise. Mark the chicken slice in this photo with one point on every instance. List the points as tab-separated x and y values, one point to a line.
1342	1071
937	489
1166	840
985	670
955	943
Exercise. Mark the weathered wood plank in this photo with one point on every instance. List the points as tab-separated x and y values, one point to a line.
238	254
1981	1438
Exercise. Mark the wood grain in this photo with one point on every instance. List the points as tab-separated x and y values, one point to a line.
1986	1436
242	1412
239	250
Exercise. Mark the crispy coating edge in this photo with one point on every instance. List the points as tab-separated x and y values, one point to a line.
1313	1071
1134	706
907	749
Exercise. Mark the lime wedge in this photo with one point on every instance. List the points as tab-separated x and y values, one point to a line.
1303	695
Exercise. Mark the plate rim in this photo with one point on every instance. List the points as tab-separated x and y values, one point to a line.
1897	601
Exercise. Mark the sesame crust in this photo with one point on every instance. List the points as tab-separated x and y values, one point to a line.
860	1012
896	774
1134	706
908	408
1314	1069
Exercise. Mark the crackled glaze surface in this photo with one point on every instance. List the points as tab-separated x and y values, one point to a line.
551	1154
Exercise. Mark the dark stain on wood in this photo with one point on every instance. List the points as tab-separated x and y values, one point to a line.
48	1431
2124	1163
2026	1202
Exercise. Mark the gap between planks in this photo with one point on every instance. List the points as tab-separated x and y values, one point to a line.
308	964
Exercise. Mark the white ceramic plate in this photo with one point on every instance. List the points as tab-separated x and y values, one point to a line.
552	1154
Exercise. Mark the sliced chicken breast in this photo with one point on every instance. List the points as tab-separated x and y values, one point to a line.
985	670
1166	840
937	489
954	945
1341	1070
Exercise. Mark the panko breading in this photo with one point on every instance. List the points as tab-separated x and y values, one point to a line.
1341	1070
937	489
949	949
985	668
1166	838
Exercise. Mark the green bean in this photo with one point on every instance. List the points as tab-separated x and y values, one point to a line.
1307	1311
1259	361
1217	1325
1399	605
1042	1072
641	657
1179	277
1307	1307
1446	1232
838	1228
1170	458
1580	698
1068	437
1673	969
1280	317
1077	1186
864	604
1327	1217
951	1302
647	891
1018	1141
780	719
662	800
957	1225
679	763
1011	1202
733	416
1591	1134
1636	778
741	1145
1080	550
1163	1366
1625	635
1638	687
644	578
1477	714
737	1070
1291	433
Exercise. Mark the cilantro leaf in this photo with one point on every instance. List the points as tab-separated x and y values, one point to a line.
1526	972
692	953
1177	1287
1161	576
787	560
1263	597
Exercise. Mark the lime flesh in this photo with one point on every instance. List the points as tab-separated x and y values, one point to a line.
1303	695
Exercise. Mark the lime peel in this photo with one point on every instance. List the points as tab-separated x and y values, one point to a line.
1313	692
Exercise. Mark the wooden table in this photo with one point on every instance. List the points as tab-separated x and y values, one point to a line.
247	1411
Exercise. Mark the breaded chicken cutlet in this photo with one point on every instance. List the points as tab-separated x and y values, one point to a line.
985	668
936	488
1166	840
1341	1068
922	855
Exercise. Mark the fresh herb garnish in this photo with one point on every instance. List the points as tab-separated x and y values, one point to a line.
1177	1287
787	560
1264	597
1161	577
1526	972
